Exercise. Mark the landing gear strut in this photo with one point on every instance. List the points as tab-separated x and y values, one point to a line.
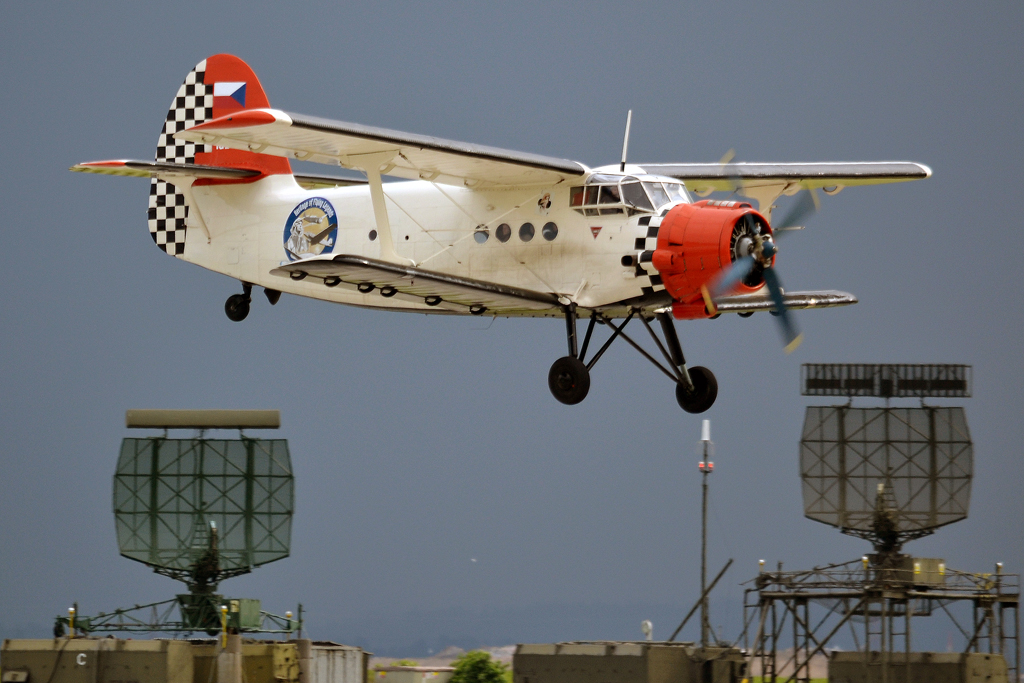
569	377
237	305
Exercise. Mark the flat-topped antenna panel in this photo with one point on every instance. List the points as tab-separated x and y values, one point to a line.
921	459
174	499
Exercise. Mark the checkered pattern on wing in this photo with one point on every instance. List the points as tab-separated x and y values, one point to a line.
650	278
168	211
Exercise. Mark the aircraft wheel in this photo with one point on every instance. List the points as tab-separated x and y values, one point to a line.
705	391
237	307
569	380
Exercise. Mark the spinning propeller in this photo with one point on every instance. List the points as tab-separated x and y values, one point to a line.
756	249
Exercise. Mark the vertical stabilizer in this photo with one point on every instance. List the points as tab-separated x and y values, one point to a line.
217	86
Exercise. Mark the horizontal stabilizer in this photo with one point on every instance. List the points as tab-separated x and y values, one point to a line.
152	169
449	293
749	303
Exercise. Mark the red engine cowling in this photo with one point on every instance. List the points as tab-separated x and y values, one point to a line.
696	242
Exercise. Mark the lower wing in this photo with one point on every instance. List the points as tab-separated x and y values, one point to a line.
450	293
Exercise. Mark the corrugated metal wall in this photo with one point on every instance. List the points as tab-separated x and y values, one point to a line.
336	664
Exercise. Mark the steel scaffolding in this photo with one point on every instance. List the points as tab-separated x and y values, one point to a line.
881	595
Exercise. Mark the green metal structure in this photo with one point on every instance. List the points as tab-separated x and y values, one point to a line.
200	511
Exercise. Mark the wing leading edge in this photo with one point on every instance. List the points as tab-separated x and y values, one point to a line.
725	177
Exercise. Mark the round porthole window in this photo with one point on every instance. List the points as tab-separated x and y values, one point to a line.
549	231
481	236
526	232
503	232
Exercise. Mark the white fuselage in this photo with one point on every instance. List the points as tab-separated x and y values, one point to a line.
239	230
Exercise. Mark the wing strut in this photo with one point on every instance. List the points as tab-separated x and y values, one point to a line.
371	164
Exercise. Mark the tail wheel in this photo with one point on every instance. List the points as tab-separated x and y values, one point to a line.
569	380
237	307
703	394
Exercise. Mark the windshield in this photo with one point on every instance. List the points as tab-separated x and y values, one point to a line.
605	194
677	192
658	194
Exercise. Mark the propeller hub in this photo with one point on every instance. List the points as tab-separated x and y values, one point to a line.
744	247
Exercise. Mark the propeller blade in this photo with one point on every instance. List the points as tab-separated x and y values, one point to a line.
790	334
739	270
726	163
803	207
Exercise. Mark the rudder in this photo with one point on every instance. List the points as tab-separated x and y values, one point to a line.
217	86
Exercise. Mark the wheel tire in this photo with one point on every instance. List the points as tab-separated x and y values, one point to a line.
237	307
569	380
705	391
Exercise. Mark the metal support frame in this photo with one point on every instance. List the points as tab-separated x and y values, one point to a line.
158	617
675	363
887	606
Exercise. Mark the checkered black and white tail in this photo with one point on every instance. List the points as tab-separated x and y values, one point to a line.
168	210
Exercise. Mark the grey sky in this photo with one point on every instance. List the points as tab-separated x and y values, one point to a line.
420	442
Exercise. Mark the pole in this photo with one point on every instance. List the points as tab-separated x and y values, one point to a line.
705	467
704	554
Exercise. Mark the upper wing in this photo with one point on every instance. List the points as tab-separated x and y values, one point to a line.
447	292
308	138
708	177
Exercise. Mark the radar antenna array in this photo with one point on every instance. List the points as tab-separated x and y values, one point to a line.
888	475
203	510
200	511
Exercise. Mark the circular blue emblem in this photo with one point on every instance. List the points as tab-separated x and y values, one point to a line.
311	229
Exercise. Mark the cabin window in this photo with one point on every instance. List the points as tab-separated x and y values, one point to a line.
503	232
549	231
481	235
526	232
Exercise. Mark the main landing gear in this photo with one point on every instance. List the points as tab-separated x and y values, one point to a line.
569	377
237	305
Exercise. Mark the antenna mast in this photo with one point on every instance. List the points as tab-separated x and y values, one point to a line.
706	467
625	141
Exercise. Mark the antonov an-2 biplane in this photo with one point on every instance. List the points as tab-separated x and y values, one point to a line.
478	230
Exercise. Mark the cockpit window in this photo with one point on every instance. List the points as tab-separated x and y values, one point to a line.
605	194
609	194
658	194
676	192
633	194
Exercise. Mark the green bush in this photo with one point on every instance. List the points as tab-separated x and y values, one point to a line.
478	667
